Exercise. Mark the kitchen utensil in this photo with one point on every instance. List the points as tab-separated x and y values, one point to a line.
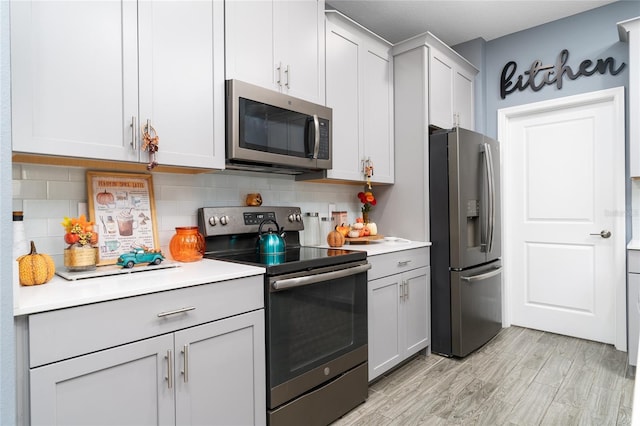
271	245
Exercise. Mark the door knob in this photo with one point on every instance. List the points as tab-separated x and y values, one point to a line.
604	233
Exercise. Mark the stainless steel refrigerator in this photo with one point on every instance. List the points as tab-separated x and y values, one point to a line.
466	270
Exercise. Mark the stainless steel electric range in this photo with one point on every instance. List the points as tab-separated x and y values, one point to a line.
315	314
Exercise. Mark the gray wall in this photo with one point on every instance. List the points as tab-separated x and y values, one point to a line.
590	35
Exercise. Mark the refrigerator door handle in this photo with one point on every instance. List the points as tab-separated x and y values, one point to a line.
484	276
492	198
485	240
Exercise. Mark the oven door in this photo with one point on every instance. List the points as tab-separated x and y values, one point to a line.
316	328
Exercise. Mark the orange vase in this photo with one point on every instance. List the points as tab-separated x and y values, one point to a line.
187	245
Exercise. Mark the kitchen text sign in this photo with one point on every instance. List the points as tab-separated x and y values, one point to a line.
540	75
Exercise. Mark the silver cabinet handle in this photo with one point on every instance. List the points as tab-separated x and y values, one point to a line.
287	73
279	69
185	363
403	262
406	287
604	233
401	292
134	132
169	377
176	311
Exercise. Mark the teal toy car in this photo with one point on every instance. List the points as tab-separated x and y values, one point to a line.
139	255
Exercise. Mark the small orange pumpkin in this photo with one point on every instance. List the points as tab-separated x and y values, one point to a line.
335	239
35	268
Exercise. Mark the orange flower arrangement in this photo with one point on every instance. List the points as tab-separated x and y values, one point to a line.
368	200
79	231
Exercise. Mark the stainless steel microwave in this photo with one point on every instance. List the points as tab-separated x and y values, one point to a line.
270	131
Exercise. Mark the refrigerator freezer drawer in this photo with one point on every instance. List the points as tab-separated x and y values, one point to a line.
476	307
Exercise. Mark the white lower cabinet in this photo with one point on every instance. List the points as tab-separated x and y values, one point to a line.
398	308
209	373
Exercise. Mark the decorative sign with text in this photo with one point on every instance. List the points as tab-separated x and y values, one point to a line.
539	75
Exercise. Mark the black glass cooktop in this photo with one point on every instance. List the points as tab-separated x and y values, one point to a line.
295	259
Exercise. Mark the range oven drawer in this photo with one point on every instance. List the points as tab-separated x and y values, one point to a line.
325	404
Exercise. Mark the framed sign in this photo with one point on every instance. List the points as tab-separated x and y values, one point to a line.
122	207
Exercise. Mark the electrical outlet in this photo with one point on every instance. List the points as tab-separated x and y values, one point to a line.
82	209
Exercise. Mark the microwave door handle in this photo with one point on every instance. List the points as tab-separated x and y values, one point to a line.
316	146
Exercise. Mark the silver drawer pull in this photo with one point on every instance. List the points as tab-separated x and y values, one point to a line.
403	262
177	311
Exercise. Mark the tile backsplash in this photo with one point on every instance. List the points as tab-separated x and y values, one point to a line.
46	194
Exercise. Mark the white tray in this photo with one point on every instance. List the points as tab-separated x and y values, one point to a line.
106	270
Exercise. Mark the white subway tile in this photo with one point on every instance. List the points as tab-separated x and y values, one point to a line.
58	190
43	172
29	189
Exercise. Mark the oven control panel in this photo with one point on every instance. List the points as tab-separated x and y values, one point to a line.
255	218
214	221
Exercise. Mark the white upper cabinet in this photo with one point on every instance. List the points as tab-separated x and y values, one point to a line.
360	91
87	75
278	45
451	85
182	80
450	81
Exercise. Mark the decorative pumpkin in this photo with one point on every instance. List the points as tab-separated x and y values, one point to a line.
343	229
105	198
335	239
35	268
254	199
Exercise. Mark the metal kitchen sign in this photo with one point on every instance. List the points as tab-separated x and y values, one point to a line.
539	75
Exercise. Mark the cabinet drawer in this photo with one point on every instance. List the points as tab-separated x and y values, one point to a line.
633	262
387	264
66	333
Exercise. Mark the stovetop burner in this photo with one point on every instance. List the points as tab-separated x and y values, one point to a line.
294	260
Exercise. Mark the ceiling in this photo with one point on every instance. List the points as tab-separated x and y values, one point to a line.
457	21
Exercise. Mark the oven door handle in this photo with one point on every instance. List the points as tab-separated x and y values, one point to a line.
312	279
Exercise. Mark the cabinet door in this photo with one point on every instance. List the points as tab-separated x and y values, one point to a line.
633	300
220	372
298	31
182	80
343	96
249	42
124	385
441	75
74	78
385	344
377	113
416	309
463	100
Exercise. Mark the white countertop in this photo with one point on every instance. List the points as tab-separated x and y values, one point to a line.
633	245
387	245
61	293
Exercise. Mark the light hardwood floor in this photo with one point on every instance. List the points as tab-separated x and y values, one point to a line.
521	377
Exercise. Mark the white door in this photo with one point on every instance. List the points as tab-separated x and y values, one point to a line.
563	180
